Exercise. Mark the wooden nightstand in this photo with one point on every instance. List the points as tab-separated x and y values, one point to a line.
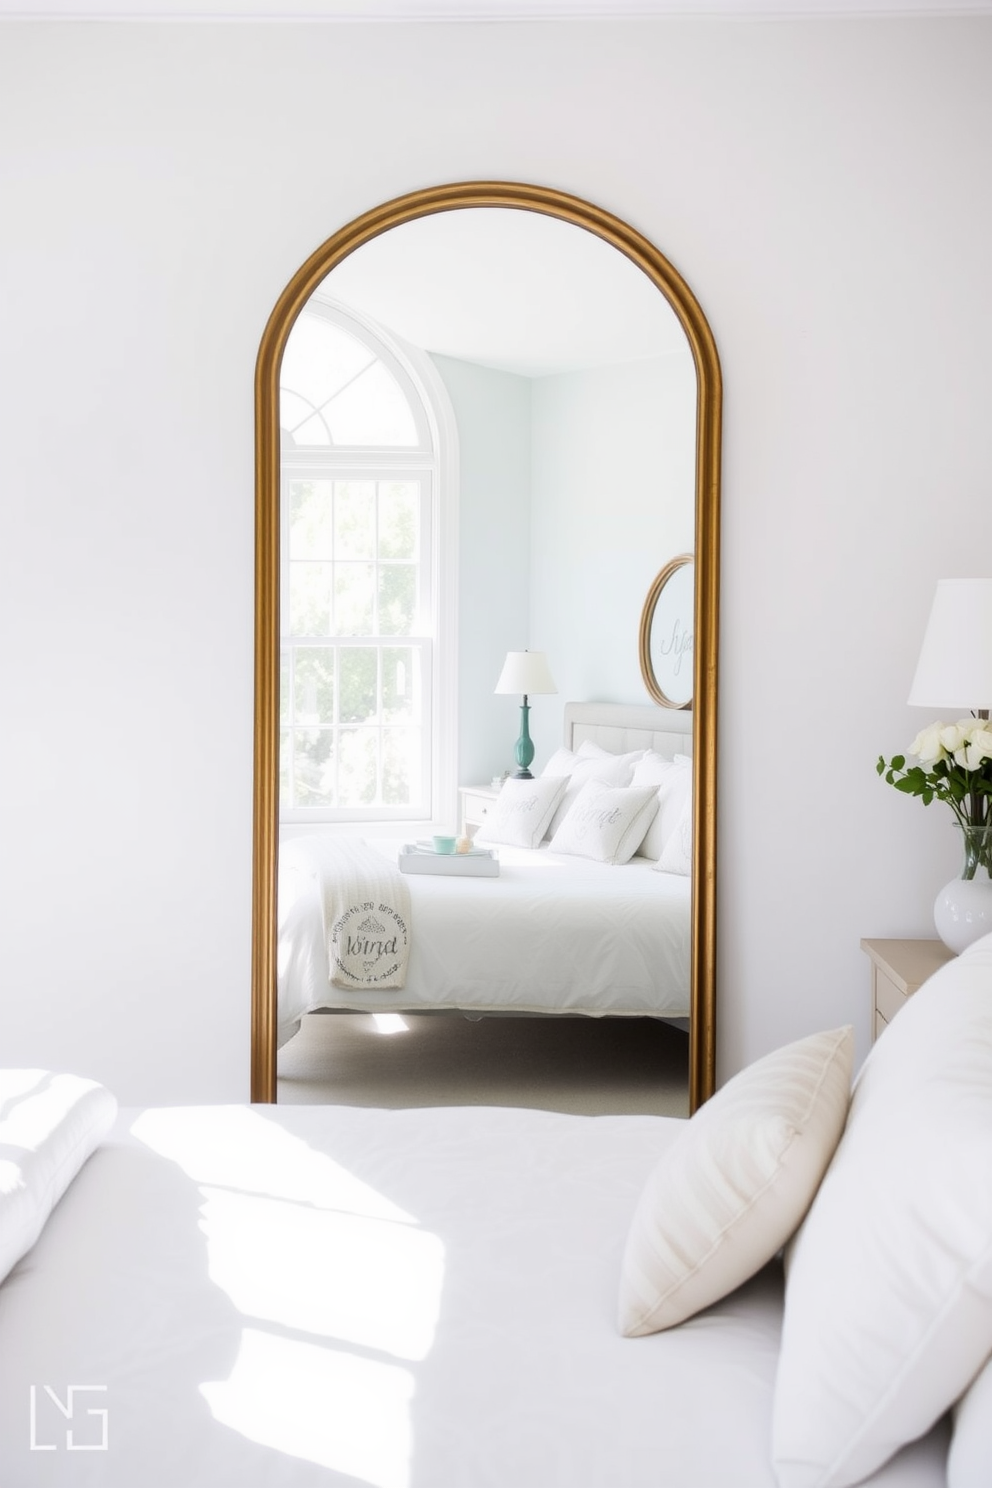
476	803
898	968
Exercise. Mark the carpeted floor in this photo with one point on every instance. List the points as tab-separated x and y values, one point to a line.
590	1066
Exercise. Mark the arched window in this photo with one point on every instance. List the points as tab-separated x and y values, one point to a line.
359	575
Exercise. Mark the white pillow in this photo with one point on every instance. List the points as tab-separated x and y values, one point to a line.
888	1301
969	1462
522	811
563	761
677	854
49	1125
672	780
730	1191
606	822
611	769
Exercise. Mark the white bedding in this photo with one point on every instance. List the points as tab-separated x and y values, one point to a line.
305	1296
553	933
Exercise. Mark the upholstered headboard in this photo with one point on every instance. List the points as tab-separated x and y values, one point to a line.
622	727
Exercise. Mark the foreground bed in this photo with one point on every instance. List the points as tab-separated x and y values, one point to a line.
286	1298
326	1296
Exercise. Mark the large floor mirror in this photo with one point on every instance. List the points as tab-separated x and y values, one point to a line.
487	422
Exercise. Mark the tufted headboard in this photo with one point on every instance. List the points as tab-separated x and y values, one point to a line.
622	727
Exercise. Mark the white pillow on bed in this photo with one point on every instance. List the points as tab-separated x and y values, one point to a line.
888	1299
49	1125
563	761
677	854
672	780
731	1190
596	764
969	1463
606	822
521	812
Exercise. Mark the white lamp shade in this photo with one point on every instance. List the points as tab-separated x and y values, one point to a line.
955	666
525	672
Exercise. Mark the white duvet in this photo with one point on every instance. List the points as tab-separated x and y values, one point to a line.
553	933
321	1297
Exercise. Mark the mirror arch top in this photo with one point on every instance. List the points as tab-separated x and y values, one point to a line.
667	279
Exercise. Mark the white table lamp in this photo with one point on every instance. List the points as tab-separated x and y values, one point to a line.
954	671
525	672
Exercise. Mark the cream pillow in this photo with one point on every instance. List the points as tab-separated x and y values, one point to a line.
606	822
49	1126
677	854
672	780
610	769
521	812
731	1190
888	1300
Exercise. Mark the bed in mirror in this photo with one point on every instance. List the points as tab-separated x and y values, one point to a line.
485	413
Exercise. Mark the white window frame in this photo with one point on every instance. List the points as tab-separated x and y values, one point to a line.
435	464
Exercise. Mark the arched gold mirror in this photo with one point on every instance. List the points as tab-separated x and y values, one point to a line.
309	287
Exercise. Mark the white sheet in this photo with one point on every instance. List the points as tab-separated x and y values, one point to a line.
551	934
326	1298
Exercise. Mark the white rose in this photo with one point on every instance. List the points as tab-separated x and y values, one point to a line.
954	736
977	748
927	746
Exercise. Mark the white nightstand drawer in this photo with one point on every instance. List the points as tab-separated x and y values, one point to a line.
477	802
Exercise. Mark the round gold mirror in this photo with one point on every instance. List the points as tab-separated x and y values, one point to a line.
667	634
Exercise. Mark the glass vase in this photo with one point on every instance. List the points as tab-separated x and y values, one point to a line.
962	911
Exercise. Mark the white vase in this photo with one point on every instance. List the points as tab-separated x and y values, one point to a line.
962	911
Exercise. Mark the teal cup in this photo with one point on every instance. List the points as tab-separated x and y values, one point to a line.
445	844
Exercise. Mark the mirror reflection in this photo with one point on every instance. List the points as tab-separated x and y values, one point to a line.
488	445
666	640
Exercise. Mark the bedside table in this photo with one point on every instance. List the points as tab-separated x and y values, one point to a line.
898	968
476	803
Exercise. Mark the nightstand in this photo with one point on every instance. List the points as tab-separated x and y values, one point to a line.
898	968
476	803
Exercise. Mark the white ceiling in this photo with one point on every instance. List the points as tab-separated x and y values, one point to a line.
509	289
467	10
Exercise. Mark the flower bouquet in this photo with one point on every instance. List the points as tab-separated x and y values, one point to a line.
955	766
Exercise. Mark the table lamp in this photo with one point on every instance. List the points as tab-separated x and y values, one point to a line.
955	666
525	672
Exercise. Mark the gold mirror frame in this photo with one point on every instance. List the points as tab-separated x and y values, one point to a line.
702	1027
644	639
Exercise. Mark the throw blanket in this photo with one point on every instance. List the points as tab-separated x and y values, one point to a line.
366	908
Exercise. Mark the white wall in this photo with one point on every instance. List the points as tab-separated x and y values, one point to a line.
492	412
820	184
612	501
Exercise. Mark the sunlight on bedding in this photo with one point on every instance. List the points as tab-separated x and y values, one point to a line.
240	1148
344	1276
334	1409
356	1268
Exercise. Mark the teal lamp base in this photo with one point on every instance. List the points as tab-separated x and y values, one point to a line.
524	751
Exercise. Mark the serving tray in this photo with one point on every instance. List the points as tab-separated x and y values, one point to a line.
478	862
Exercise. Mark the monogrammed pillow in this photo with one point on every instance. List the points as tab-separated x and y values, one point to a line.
522	811
606	822
593	763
